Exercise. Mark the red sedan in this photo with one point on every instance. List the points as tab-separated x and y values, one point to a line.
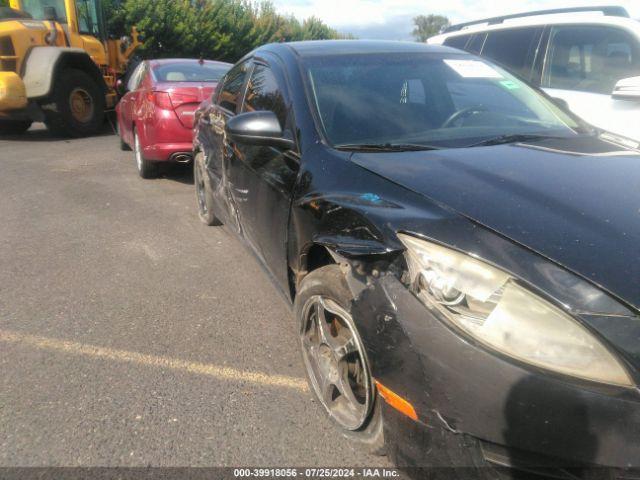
156	115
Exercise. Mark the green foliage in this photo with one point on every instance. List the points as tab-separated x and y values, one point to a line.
214	29
4	3
428	26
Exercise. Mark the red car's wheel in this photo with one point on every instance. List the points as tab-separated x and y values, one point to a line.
146	169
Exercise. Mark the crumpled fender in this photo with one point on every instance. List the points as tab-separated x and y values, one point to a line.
342	223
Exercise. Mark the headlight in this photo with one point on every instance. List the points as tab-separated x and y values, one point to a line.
490	306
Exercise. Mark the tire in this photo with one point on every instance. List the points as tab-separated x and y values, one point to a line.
16	127
204	199
76	107
146	168
328	286
123	145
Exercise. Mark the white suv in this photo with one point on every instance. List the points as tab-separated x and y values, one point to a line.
588	57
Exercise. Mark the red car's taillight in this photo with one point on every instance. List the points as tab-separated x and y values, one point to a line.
171	101
161	99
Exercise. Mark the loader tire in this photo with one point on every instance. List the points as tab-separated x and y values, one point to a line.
76	106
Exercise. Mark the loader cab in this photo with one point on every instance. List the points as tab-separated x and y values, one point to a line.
82	22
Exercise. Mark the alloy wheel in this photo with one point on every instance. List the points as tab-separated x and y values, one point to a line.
200	186
335	362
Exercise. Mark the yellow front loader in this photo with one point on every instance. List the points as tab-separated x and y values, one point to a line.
58	65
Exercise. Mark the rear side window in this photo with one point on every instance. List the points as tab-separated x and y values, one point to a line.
513	49
590	58
476	43
263	93
230	94
459	41
136	77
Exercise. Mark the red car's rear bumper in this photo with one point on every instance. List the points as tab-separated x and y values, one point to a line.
164	137
163	152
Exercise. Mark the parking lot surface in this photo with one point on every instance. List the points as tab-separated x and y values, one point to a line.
132	335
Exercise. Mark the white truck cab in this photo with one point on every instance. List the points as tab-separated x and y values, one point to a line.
587	57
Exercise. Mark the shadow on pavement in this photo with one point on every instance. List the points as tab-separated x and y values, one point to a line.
39	133
179	172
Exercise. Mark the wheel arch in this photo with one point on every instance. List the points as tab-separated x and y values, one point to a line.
315	256
44	64
313	244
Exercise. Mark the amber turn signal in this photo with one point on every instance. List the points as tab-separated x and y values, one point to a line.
396	401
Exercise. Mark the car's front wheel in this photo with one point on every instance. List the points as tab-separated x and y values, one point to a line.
334	357
203	192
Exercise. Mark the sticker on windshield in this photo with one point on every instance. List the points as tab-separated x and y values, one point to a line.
472	69
509	84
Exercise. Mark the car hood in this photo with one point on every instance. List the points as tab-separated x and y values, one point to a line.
575	201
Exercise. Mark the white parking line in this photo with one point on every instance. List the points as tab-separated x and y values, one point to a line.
93	351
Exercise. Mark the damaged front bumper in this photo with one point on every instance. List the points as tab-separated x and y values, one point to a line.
478	409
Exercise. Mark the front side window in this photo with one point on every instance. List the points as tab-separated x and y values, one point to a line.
590	58
263	93
513	48
426	99
46	9
231	90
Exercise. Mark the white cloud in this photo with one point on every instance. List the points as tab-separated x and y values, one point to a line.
365	15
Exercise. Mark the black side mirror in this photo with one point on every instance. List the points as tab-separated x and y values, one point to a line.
257	128
50	14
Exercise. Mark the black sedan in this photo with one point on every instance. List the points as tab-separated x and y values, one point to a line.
461	254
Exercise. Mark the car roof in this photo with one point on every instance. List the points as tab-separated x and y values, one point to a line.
355	47
582	18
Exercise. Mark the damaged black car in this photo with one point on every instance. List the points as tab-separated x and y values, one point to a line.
462	254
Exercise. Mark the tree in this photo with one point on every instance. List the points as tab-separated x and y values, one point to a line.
214	29
428	26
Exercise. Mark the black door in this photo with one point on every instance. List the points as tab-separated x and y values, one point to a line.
264	177
218	152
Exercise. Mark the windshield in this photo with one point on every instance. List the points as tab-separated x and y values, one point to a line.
445	101
190	72
45	9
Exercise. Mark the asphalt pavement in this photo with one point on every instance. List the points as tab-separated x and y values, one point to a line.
133	335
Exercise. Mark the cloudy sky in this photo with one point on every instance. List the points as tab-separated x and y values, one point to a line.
391	19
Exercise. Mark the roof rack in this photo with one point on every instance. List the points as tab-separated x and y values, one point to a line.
610	11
